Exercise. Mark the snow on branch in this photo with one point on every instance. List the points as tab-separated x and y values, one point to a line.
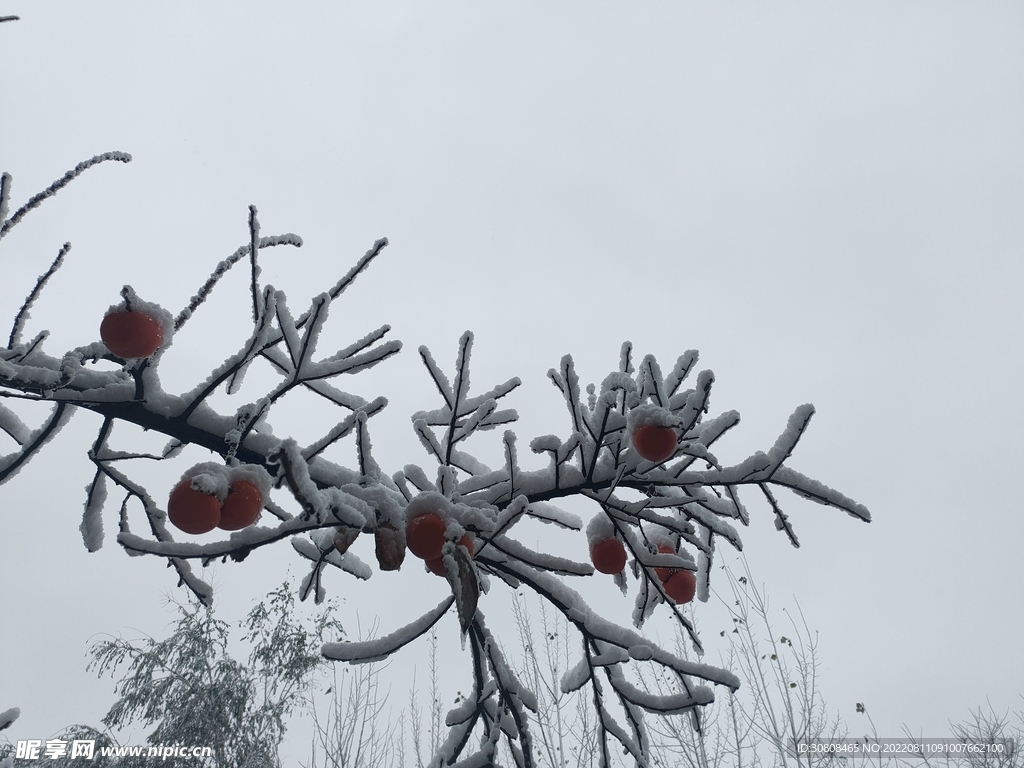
819	492
374	650
12	424
34	442
224	266
36	200
23	315
8	716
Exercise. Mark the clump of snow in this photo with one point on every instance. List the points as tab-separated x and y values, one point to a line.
209	478
545	443
576	677
609	656
92	521
660	536
653	415
599	528
386	504
641	652
428	501
341	507
667	552
479	516
252	473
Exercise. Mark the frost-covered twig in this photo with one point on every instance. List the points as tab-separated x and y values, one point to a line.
22	316
10	464
254	246
5	195
36	200
224	266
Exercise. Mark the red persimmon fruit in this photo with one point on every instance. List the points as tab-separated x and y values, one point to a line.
130	334
608	556
655	443
681	586
424	535
192	511
242	506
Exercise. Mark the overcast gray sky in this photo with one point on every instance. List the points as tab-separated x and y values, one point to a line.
824	199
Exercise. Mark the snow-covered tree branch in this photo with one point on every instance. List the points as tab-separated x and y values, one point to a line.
639	447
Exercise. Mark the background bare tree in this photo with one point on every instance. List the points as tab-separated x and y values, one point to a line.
779	698
355	728
991	728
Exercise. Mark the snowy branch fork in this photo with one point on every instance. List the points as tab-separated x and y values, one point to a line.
682	504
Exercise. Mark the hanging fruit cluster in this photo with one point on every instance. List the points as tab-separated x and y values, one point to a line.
212	496
427	530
